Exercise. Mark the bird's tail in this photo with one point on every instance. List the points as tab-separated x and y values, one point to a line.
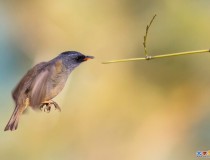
13	122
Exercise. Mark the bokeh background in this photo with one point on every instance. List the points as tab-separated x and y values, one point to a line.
146	110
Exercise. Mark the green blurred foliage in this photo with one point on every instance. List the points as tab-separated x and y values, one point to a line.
139	110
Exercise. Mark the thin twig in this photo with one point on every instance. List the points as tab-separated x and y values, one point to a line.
158	56
145	37
147	57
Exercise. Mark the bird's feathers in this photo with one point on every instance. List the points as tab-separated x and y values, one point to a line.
38	88
23	86
23	89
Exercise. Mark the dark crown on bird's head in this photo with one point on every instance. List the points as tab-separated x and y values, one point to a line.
71	53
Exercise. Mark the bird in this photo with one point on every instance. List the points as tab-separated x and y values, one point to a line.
42	83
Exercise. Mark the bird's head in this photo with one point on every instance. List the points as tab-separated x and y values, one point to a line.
72	59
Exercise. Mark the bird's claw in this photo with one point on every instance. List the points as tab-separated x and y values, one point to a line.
46	107
56	106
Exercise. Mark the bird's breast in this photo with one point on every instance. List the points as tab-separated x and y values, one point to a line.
58	75
55	85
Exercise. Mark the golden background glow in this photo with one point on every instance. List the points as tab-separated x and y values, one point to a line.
127	111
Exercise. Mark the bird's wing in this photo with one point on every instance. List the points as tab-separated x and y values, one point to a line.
39	87
23	86
42	82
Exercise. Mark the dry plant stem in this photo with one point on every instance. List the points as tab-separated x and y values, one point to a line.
158	56
145	37
148	57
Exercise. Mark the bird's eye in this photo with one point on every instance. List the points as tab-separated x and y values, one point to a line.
80	58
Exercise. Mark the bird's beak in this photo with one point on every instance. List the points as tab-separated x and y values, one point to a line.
88	58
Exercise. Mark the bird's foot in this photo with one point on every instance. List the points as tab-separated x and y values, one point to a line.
46	106
57	107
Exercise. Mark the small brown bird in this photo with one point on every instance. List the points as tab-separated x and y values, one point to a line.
42	83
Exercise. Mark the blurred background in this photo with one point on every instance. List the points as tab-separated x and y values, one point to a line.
144	110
